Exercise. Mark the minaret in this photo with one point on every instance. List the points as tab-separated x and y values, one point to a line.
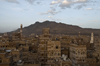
79	34
91	41
21	31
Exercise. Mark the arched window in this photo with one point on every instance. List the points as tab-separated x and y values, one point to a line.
58	53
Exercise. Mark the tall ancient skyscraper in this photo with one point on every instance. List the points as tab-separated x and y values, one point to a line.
78	54
53	51
91	41
42	50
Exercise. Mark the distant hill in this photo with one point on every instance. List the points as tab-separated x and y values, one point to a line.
56	28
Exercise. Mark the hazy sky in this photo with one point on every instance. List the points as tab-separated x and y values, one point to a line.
84	13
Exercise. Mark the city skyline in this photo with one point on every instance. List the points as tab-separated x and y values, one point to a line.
84	13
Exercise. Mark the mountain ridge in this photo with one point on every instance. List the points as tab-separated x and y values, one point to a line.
56	28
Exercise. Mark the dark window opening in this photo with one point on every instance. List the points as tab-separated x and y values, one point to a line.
83	60
0	60
42	60
56	47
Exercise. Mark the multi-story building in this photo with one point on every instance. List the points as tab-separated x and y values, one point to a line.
78	54
53	51
5	58
42	50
